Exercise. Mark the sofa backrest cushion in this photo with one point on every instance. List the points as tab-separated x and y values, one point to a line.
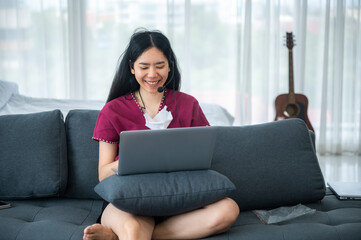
32	155
272	164
83	154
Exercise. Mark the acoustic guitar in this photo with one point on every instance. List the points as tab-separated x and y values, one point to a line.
292	105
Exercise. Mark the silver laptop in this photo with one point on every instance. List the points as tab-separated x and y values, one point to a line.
346	190
166	150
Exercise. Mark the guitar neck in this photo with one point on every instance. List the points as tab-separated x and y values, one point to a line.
291	92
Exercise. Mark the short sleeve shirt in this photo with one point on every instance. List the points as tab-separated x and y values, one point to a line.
124	114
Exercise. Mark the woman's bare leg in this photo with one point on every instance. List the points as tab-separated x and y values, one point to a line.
117	224
212	219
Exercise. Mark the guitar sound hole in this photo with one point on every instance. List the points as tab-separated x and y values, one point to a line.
291	110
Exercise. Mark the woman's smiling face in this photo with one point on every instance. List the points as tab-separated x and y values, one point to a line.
151	69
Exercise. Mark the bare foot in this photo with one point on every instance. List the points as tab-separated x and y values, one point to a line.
98	232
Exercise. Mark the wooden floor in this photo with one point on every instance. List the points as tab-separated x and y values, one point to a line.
343	168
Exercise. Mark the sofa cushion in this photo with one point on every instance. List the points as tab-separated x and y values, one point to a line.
164	194
333	219
272	164
33	155
83	154
49	218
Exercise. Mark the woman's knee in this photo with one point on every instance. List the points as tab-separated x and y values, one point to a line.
126	224
225	214
139	227
132	226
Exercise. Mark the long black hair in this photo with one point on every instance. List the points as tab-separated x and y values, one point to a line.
124	81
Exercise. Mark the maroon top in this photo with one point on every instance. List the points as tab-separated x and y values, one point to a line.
124	114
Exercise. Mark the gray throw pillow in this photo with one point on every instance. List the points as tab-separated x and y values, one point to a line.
33	155
164	194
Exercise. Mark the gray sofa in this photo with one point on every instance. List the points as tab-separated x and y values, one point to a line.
48	170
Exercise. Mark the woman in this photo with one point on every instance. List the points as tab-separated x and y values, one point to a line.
144	95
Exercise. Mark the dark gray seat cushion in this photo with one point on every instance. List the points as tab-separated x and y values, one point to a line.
334	219
272	164
33	155
48	219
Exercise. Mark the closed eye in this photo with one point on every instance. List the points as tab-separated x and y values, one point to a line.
160	67
145	66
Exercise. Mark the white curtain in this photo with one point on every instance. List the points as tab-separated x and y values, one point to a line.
231	52
34	46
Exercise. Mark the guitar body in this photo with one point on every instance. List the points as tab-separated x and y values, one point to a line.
292	105
285	110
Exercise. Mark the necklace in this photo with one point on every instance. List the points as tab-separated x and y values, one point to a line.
141	99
